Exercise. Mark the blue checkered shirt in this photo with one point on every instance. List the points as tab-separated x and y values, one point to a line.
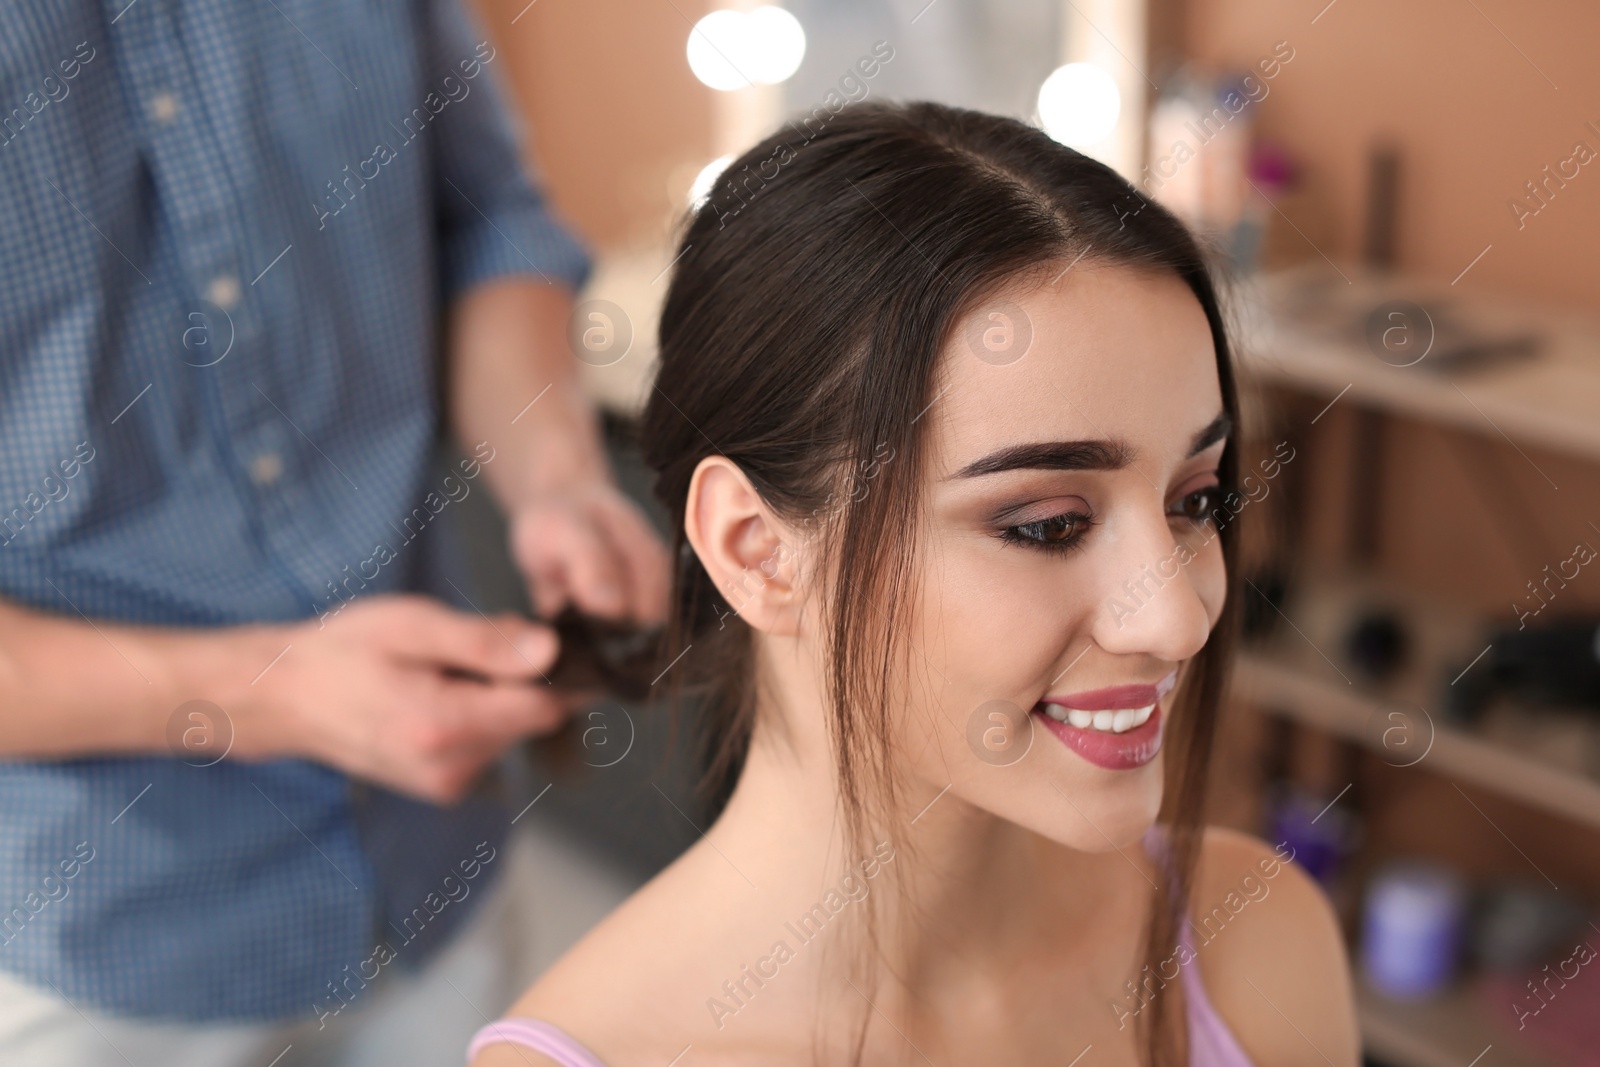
227	231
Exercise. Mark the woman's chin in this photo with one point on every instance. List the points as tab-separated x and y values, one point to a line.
1099	811
1087	813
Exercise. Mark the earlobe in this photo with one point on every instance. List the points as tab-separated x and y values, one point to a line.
743	546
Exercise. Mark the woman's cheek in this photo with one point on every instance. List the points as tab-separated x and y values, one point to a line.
973	616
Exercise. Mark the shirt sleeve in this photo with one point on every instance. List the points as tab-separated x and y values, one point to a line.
493	219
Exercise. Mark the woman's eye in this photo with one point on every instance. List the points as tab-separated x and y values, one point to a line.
1198	505
1056	532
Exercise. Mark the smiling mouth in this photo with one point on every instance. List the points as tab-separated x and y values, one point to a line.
1118	728
1133	746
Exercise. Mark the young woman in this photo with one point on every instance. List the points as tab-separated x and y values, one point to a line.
944	423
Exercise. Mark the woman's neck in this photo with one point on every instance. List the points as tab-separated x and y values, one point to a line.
965	891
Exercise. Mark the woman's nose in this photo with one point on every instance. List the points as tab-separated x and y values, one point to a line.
1152	602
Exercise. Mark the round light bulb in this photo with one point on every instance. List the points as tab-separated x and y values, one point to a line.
776	44
706	180
729	49
716	49
1079	104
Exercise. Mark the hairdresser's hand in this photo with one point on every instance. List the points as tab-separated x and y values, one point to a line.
590	545
378	692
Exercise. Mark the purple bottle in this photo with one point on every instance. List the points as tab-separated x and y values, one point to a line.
1411	935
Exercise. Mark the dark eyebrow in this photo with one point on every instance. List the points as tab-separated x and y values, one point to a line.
1054	456
1108	455
1220	427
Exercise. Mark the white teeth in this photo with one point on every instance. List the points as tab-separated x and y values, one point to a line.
1119	720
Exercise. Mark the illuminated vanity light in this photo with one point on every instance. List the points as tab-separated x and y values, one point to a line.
729	50
1079	105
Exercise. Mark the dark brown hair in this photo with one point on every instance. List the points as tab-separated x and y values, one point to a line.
800	338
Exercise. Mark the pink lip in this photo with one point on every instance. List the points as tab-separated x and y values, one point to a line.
1115	752
1117	696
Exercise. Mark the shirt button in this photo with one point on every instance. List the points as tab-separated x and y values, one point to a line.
163	107
266	468
223	291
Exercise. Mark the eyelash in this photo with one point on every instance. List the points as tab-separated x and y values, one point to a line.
1031	534
1078	524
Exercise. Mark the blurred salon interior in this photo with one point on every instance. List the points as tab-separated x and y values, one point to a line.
1399	196
1395	196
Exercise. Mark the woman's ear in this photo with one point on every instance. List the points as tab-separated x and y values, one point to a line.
749	554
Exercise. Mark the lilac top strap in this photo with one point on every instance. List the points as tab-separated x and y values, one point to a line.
1211	1042
542	1037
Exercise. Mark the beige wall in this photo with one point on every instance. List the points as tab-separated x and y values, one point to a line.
1473	116
1463	518
1474	121
620	125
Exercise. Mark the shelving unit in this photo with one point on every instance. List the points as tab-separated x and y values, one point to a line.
1301	331
1274	685
1551	399
1452	1030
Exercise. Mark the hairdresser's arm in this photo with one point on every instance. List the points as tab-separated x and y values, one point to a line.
376	690
514	385
508	268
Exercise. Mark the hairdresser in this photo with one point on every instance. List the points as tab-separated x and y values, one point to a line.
254	260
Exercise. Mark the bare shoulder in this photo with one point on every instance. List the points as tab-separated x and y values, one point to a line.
634	986
571	996
506	1055
1271	952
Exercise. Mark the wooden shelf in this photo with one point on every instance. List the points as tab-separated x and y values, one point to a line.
1287	689
1302	328
1451	1030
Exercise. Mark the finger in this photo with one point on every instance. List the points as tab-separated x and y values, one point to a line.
593	573
533	541
463	726
646	559
506	647
548	587
488	717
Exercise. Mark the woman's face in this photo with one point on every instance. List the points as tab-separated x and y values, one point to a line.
1069	569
